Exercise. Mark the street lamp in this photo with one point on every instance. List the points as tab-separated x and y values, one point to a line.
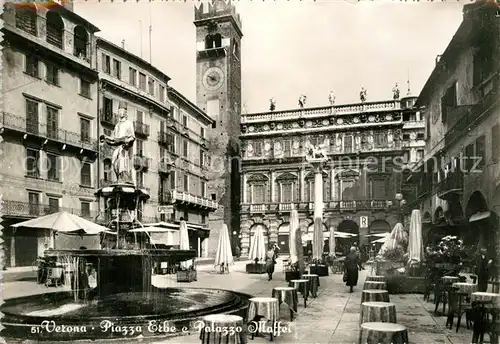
401	203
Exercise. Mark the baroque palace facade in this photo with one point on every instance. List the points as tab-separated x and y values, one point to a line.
61	89
457	184
368	144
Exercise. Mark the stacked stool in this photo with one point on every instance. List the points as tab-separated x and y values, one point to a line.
378	315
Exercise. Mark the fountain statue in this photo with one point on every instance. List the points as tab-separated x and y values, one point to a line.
123	138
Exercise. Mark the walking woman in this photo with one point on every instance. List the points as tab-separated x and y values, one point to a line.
351	267
270	262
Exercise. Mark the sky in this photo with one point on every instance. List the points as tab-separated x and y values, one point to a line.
293	47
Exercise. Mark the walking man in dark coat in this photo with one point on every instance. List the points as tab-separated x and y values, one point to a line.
483	266
351	267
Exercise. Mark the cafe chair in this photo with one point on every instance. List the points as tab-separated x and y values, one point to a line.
458	306
486	321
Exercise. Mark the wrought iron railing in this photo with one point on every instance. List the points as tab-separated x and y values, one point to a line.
141	161
51	132
29	210
108	117
141	128
453	182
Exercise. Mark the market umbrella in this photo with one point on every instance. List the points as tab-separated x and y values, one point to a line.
184	243
293	243
257	247
415	245
64	222
224	255
332	241
396	238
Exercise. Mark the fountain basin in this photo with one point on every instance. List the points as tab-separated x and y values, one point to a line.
162	312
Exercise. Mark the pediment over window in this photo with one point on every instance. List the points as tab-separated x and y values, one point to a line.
286	176
348	174
257	178
310	175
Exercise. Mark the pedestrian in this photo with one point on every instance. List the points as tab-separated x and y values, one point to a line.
483	266
351	267
270	262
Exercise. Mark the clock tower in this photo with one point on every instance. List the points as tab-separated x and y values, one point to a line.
218	93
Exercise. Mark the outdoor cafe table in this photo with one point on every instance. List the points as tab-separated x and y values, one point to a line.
383	333
301	285
288	296
377	295
465	288
377	312
486	297
266	307
376	278
313	283
375	285
211	332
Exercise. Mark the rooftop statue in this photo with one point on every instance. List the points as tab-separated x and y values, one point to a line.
395	92
362	95
331	98
122	138
272	105
302	101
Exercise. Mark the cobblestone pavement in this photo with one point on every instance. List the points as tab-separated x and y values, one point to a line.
333	317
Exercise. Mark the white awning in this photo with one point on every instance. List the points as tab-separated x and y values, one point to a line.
480	216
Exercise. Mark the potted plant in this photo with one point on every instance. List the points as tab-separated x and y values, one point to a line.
256	267
318	267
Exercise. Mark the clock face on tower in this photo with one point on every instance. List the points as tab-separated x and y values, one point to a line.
213	78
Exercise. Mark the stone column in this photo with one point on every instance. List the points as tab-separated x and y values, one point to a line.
205	248
272	199
318	212
244	189
301	185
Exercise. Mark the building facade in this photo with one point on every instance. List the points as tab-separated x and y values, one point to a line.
368	145
218	93
457	184
171	155
48	123
61	91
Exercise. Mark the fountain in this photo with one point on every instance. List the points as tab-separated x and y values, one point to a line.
123	302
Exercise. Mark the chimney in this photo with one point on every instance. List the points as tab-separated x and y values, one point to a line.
123	44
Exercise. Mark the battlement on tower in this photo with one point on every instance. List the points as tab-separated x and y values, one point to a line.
217	8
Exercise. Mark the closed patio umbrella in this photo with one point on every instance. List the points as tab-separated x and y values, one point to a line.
295	241
224	255
415	246
396	238
184	243
257	247
331	241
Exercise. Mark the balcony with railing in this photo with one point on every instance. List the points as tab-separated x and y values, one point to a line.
50	132
452	184
108	117
141	129
141	162
165	197
165	166
185	197
322	111
17	209
345	205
